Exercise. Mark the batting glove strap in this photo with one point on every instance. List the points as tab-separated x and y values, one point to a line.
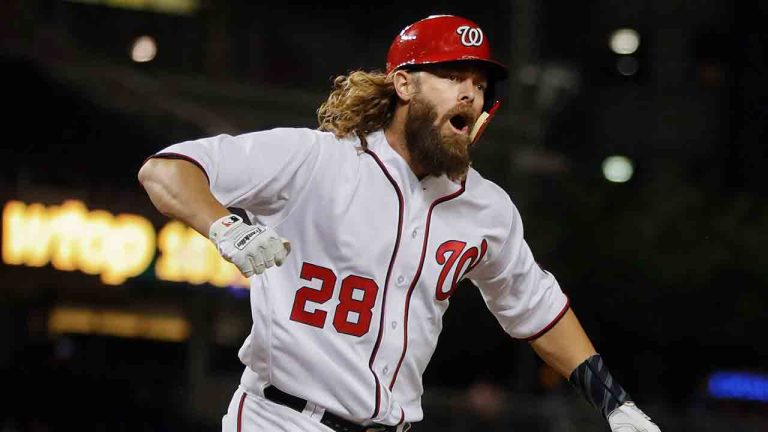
595	383
252	248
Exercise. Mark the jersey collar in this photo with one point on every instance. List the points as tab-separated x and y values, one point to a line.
434	187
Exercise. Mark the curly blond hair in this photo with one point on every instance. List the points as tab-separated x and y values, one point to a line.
359	103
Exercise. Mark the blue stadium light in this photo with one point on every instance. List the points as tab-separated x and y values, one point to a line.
738	385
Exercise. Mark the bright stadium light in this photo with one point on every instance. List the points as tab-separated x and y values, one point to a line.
617	169
144	49
625	41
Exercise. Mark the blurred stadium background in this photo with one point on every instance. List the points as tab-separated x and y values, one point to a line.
633	140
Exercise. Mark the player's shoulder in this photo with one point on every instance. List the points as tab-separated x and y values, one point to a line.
298	140
289	134
327	140
495	202
481	189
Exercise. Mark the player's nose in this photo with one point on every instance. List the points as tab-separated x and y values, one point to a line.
467	91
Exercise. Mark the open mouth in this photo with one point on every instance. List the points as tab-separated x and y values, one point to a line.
461	123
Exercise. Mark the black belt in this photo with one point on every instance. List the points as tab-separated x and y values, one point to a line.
329	419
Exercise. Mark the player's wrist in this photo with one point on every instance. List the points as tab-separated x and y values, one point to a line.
594	382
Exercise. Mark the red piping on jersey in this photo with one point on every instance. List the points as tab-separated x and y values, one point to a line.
240	412
418	275
182	157
554	321
386	281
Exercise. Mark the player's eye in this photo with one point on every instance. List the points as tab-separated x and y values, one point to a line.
482	87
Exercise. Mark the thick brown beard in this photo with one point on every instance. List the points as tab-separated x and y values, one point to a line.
432	152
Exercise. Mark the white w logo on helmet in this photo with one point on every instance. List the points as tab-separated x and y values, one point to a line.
470	36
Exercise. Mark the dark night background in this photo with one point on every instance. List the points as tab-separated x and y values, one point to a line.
667	271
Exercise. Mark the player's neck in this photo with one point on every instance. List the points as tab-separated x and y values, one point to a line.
395	135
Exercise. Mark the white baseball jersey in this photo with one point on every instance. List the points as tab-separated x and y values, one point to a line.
351	319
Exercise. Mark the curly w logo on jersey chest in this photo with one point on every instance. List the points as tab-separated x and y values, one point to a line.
456	260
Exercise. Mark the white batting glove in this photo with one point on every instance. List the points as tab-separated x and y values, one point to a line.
629	418
252	248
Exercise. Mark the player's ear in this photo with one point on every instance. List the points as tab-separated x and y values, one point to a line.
406	84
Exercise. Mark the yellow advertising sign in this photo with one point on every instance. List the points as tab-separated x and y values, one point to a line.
70	237
65	319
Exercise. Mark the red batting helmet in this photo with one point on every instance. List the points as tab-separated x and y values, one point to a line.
443	38
448	38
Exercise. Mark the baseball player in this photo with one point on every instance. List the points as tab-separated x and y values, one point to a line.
358	234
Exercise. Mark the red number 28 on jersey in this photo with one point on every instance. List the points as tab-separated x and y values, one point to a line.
356	300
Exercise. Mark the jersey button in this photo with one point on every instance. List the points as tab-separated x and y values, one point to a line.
400	280
394	324
414	233
385	370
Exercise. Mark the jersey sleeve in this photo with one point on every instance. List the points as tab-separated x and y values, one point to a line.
260	171
525	299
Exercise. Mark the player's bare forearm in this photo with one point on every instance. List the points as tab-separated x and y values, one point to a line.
565	346
180	190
